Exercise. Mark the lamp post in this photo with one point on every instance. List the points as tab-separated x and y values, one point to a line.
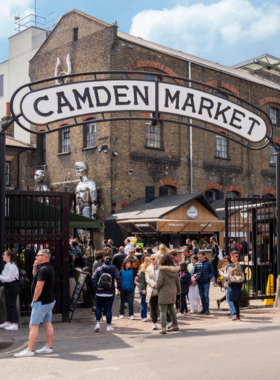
3	128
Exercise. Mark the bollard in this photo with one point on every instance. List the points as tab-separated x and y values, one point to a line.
269	290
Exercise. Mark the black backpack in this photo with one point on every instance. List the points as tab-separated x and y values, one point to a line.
105	281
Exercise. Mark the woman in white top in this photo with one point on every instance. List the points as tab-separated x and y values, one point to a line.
151	276
9	278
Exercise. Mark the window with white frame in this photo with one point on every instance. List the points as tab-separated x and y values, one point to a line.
273	113
65	140
8	174
153	135
272	157
221	147
90	134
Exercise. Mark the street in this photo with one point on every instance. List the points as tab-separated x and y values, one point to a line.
207	348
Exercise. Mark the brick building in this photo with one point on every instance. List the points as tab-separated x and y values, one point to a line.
148	156
19	161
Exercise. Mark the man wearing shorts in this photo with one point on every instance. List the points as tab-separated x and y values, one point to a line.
42	303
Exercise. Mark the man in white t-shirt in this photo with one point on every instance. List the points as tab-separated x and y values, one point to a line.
128	246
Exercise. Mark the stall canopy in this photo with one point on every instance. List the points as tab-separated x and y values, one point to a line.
168	214
82	222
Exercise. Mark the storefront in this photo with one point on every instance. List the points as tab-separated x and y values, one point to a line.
169	220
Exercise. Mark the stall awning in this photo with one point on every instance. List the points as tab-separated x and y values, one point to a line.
82	222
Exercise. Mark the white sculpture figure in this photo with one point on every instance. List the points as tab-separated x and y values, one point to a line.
69	69
86	192
39	178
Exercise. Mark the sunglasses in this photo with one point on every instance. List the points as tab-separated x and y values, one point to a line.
152	259
39	255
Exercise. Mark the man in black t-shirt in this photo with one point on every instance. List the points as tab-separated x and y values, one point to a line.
43	302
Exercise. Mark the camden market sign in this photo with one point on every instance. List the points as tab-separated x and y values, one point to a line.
44	106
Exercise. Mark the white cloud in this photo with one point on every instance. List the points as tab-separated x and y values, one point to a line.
9	9
199	29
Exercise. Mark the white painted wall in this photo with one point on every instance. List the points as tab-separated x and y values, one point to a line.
22	47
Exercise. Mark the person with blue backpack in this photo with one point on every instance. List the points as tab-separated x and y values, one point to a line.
103	281
127	293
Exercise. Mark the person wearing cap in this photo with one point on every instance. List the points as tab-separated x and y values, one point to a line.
127	292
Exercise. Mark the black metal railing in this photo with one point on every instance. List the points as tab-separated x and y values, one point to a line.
250	229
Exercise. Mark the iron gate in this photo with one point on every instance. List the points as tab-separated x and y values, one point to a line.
251	224
35	220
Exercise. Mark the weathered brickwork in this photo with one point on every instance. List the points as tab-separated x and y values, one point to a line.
98	49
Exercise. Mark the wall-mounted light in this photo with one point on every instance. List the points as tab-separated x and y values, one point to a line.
115	154
130	172
103	147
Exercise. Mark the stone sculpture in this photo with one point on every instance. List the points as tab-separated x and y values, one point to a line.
86	192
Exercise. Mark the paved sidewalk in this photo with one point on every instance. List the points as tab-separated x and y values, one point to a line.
83	321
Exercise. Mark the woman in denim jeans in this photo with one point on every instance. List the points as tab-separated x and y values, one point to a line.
225	273
142	287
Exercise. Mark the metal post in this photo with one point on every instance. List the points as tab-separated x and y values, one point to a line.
2	194
226	248
278	210
65	255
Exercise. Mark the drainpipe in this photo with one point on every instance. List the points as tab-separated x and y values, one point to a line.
23	150
191	139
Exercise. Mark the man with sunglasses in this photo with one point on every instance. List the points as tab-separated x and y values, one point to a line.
42	291
203	271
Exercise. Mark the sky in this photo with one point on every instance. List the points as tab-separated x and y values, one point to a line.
223	31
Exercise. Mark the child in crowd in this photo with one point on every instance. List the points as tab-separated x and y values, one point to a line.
127	292
143	288
235	283
193	291
185	283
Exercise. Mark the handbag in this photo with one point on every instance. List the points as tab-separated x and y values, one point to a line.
22	279
220	255
154	292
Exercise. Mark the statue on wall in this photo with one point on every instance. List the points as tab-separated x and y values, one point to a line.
86	192
39	178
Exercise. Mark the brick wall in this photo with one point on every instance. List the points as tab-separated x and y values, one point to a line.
99	48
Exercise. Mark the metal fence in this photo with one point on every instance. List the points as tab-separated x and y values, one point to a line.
35	220
250	228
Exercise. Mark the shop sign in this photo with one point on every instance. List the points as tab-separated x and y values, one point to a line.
176	224
192	212
206	225
71	100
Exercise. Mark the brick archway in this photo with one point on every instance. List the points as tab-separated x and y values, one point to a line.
223	85
154	65
213	186
269	191
88	117
168	182
269	100
234	188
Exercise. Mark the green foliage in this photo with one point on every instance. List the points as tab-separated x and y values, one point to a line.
245	290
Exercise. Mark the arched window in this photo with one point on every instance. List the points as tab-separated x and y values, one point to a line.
221	147
64	140
90	134
213	195
169	190
274	115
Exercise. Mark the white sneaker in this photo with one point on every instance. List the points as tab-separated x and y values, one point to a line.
110	328
4	325
45	350
192	312
24	353
169	325
97	327
180	315
121	316
12	327
132	317
144	319
154	326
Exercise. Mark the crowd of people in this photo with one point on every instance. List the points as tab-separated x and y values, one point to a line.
165	286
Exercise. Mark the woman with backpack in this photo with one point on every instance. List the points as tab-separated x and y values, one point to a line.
103	282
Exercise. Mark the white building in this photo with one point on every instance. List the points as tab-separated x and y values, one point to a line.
14	72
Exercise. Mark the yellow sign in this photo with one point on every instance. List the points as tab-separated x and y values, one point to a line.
248	273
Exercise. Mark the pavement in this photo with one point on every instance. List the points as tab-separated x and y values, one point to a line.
206	347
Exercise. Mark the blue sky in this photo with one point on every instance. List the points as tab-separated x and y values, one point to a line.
223	31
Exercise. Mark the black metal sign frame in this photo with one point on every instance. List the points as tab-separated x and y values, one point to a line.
130	75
